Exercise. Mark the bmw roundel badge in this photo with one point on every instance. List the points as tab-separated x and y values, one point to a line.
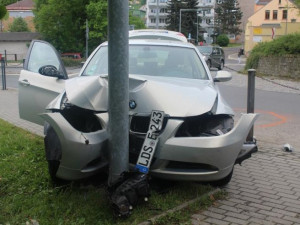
132	104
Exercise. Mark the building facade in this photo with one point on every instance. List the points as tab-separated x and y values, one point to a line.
22	9
275	19
206	14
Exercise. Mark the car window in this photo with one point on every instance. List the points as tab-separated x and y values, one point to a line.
205	49
42	54
164	61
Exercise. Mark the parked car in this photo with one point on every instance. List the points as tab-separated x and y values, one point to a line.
74	55
213	55
198	139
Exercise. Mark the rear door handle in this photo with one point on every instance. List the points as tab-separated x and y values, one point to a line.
25	83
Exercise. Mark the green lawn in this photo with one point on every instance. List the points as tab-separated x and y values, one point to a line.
26	191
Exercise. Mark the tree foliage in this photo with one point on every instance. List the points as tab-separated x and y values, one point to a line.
284	45
61	22
7	2
222	40
188	19
19	25
228	17
3	11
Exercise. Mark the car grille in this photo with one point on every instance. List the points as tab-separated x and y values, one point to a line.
140	124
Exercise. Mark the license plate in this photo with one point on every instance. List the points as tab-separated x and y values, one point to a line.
150	143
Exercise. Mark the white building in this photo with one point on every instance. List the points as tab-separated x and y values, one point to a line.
206	15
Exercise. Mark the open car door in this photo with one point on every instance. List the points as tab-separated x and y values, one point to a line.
41	80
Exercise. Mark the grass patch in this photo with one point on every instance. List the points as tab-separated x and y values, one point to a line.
26	191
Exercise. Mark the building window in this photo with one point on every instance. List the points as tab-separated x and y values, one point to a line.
220	1
275	13
279	2
153	20
208	21
284	14
267	15
162	21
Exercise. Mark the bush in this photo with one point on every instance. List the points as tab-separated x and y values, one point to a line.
222	40
71	62
285	45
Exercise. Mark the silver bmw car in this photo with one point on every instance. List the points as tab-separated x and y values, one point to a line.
198	139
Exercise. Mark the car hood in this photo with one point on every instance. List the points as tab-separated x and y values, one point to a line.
177	97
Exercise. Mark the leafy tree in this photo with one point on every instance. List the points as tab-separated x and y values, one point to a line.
7	2
61	22
188	18
137	22
3	11
19	25
97	17
297	3
228	17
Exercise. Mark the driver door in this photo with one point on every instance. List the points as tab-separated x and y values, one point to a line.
36	91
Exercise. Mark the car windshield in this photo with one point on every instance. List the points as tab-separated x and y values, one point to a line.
205	49
164	61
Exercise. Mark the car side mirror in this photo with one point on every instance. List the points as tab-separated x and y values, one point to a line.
222	76
50	71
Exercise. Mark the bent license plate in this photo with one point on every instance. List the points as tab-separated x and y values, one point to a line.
150	143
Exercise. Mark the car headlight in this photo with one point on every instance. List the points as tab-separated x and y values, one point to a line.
64	102
205	58
205	125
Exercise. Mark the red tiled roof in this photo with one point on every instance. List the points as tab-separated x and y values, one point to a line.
21	5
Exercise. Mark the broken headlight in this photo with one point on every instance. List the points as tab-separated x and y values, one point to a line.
205	125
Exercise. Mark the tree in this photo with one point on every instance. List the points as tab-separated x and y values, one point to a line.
19	25
97	17
228	17
188	18
173	8
189	21
137	22
7	2
62	23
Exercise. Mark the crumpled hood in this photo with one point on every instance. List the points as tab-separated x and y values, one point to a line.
175	96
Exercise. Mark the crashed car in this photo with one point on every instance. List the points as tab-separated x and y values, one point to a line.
198	139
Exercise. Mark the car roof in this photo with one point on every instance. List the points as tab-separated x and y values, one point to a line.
157	34
157	42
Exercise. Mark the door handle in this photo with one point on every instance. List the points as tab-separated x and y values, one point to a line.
25	83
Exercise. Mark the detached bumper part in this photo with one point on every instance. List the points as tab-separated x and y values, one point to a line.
83	153
219	152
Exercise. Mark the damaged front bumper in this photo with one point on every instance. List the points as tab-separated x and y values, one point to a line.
201	158
83	154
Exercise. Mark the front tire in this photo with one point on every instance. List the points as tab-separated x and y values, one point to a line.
209	64
53	151
221	67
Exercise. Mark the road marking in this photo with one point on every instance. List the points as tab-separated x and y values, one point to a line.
281	119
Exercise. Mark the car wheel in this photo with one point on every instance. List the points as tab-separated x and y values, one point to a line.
222	182
221	67
209	64
53	151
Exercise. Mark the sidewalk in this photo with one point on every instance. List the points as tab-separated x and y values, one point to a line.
264	190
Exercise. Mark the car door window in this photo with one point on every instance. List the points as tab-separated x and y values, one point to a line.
42	54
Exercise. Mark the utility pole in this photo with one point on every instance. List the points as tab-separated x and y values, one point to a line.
157	13
118	53
86	39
